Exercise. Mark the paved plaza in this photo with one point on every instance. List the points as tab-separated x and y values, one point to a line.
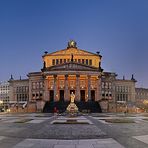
86	131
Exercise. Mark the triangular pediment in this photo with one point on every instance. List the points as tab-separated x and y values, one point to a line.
75	51
71	66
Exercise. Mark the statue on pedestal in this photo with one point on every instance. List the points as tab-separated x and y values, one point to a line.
72	97
72	108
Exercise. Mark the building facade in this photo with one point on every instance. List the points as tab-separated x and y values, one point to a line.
142	98
72	70
4	95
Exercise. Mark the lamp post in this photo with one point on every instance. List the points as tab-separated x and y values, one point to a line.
1	104
145	102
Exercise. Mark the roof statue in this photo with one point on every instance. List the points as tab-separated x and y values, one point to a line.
72	44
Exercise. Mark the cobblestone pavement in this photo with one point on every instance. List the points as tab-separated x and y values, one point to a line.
88	131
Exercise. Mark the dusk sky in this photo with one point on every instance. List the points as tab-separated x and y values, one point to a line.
116	28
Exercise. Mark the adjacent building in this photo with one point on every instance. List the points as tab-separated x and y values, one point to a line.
4	95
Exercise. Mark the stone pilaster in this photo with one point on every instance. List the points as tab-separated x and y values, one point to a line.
66	92
55	88
89	89
77	87
30	90
98	93
46	91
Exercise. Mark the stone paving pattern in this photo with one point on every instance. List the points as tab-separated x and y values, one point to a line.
39	132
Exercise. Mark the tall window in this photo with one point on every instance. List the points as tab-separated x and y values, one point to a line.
60	61
82	61
64	60
53	62
90	62
57	61
79	60
86	61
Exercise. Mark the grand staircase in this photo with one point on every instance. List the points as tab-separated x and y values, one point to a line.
90	106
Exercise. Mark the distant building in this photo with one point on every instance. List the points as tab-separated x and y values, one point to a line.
141	94
72	70
142	98
4	94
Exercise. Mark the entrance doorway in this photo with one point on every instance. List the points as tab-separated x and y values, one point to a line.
92	95
61	95
51	95
82	94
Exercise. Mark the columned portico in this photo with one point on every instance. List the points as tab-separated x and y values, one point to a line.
61	85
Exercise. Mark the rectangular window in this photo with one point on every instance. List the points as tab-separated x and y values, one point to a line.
57	61
82	61
90	62
103	94
61	83
60	61
79	60
121	97
37	85
64	60
53	62
86	61
41	85
33	95
34	85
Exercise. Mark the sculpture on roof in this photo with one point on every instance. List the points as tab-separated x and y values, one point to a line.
72	44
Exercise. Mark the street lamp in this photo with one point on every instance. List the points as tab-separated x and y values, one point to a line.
145	102
1	105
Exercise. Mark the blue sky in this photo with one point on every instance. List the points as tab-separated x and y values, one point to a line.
116	28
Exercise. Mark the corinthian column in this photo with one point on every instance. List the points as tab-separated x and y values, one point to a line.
89	89
66	88
55	87
46	92
77	87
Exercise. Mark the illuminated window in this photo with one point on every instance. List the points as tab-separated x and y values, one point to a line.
62	83
90	62
53	62
72	83
37	85
33	85
57	61
41	84
51	83
82	83
103	94
82	61
86	61
60	61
